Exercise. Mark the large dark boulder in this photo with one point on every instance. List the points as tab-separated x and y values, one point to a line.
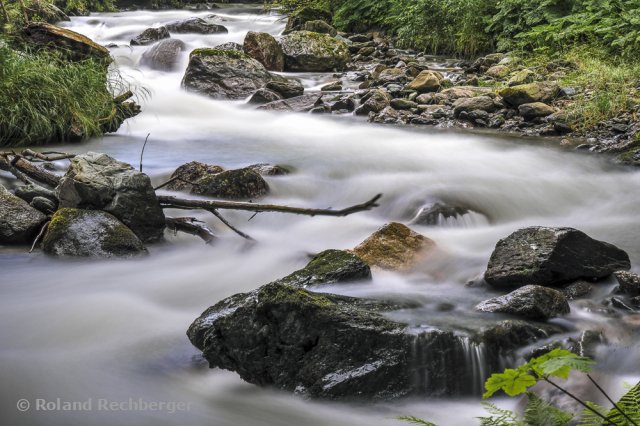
224	74
309	51
531	301
19	222
265	49
328	267
89	233
164	55
551	256
235	184
150	35
98	182
197	26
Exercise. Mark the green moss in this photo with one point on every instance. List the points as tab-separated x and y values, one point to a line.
209	52
282	293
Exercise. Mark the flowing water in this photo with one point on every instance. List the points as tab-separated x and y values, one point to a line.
96	332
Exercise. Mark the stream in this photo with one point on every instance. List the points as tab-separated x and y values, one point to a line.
98	332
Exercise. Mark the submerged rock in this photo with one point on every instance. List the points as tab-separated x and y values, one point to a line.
265	49
328	267
224	74
197	26
551	256
150	35
531	301
394	247
507	335
97	181
89	233
309	51
302	103
435	213
577	290
19	222
289	88
629	283
236	184
185	177
163	56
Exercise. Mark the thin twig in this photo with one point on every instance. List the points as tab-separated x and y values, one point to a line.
40	235
617	407
234	229
579	401
191	225
142	152
162	185
177	203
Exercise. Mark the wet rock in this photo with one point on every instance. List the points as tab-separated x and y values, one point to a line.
163	56
498	71
302	103
478	103
306	14
484	63
551	256
264	96
535	110
531	301
89	233
391	75
19	222
30	191
224	74
265	49
403	104
319	26
344	104
511	334
394	247
266	169
74	46
197	26
524	76
426	81
577	290
629	283
529	93
617	303
360	38
332	87
328	267
237	47
376	101
97	181
309	51
150	35
434	213
236	184
289	88
44	205
185	177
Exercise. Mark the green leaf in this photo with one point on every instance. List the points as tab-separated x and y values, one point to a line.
415	421
512	382
563	366
535	364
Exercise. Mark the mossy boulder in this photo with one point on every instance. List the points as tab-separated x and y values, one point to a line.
150	35
319	26
498	71
265	49
524	76
531	301
328	267
426	81
73	45
197	26
89	233
164	55
306	14
99	182
551	256
535	110
185	177
225	74
375	101
309	51
394	247
527	93
19	222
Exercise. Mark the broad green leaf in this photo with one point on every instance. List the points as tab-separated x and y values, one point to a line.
536	363
563	366
512	382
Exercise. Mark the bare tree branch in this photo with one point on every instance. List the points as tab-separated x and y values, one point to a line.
191	225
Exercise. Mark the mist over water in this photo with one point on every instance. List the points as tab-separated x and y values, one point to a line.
115	330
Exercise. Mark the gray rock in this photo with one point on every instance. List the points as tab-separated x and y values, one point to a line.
629	283
535	110
197	26
97	181
328	267
302	103
531	301
163	56
185	177
224	74
306	14
309	51
264	96
375	101
403	104
265	49
230	45
289	88
319	26
332	87
433	213
30	191
236	184
507	335
150	35
89	233
19	222
528	93
551	256
43	204
577	290
482	103
266	169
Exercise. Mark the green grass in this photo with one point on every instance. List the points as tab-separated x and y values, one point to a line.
44	99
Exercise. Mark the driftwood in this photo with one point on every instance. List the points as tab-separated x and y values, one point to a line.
35	172
191	225
22	167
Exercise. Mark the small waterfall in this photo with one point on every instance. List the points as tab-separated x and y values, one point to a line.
446	364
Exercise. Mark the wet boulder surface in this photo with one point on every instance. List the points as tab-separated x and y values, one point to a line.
19	222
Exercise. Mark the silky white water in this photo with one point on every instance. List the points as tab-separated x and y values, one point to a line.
99	332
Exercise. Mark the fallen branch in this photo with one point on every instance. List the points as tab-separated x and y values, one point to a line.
208	205
191	225
35	172
43	230
35	156
233	228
